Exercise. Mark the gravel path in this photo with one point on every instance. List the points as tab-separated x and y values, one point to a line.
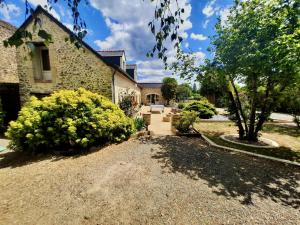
167	180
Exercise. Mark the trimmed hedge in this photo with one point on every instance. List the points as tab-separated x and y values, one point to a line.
203	108
68	119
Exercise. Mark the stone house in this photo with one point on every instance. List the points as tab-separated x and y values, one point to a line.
60	65
9	87
36	69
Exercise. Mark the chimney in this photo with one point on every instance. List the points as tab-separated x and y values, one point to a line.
131	69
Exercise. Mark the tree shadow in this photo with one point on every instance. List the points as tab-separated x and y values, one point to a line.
15	159
229	174
282	129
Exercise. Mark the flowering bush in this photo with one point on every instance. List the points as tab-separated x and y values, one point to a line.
68	119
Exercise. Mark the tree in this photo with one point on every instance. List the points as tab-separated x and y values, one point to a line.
169	88
290	102
194	88
257	47
184	91
213	87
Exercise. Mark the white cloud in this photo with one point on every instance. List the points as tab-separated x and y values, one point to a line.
209	9
9	10
129	31
44	3
200	56
199	37
205	24
224	13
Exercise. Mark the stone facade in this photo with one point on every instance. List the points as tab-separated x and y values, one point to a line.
71	68
151	89
124	86
8	62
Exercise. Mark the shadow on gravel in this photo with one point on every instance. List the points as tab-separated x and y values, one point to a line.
15	159
229	174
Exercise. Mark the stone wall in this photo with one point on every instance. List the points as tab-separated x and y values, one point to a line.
71	68
8	62
125	85
147	91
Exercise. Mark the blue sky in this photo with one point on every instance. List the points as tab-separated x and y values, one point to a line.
119	24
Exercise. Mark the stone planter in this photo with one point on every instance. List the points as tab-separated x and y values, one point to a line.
269	143
166	119
192	133
147	118
175	119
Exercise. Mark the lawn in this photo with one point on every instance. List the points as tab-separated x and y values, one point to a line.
288	137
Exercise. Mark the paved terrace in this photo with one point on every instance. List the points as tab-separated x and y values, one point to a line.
157	126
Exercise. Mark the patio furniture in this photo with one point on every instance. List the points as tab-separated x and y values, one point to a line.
157	108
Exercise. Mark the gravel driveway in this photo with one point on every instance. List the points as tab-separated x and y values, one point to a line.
167	180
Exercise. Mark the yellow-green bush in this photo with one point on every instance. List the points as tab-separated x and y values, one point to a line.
68	119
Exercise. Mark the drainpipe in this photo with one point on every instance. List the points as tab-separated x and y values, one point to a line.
113	86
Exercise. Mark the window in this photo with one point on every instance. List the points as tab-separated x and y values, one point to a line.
41	63
45	59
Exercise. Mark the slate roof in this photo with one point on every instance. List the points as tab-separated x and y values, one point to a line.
150	85
112	53
131	66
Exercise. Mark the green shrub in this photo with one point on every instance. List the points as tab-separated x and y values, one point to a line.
203	108
181	105
186	121
139	123
68	119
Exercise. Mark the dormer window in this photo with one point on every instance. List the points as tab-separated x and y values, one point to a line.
41	63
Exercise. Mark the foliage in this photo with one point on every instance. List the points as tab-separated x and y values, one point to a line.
197	97
165	27
214	86
23	36
258	47
169	88
203	108
195	88
186	65
186	121
2	114
68	119
127	103
139	123
181	105
183	92
291	102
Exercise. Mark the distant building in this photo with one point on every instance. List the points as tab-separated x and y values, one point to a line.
151	93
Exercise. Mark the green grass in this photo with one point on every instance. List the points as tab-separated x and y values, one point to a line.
281	152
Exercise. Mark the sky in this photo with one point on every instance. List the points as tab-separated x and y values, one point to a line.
123	24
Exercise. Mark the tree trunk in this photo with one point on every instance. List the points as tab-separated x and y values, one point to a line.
236	111
252	135
239	106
